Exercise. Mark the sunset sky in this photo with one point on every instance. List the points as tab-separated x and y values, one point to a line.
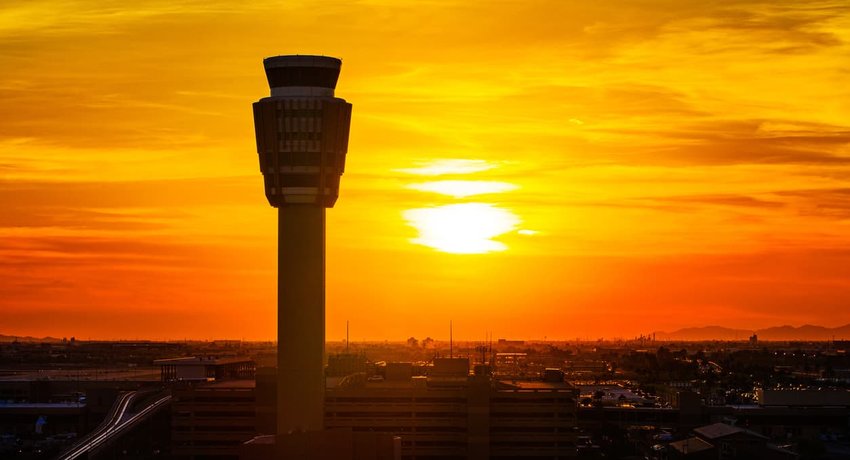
531	169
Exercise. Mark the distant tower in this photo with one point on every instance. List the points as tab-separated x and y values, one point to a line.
302	139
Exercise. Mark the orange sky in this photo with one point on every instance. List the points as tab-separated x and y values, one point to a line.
613	168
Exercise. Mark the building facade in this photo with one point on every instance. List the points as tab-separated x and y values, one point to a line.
211	421
450	414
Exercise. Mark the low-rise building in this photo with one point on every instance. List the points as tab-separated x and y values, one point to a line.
211	420
450	414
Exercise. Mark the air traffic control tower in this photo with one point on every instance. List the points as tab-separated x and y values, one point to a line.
302	139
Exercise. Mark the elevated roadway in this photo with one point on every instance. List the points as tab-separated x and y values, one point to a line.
125	413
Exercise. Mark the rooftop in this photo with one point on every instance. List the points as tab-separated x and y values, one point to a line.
691	445
302	71
721	430
196	360
514	385
232	384
302	60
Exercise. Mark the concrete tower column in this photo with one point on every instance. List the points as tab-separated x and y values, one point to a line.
301	318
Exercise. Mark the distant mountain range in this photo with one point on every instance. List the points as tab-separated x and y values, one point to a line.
12	338
783	333
776	333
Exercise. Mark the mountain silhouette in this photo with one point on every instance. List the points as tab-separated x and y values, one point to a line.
780	333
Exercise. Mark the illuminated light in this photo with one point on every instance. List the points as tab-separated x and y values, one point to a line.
463	188
465	228
449	166
527	232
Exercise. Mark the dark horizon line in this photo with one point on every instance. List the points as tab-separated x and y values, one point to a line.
659	336
442	342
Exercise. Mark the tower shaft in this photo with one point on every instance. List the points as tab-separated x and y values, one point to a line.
301	318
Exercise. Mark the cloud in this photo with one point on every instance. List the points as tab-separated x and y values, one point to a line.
715	141
81	218
831	203
172	194
782	29
66	17
721	200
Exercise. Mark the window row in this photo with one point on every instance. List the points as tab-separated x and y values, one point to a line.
300	113
301	136
301	180
302	159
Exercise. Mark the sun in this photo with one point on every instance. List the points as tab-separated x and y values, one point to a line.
464	228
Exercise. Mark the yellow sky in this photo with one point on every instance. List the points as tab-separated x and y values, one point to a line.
593	168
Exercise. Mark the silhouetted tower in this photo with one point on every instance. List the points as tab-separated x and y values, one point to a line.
302	139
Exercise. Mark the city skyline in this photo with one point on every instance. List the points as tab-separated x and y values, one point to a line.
533	170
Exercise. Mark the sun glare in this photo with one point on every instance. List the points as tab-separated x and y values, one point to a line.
464	228
449	166
463	188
